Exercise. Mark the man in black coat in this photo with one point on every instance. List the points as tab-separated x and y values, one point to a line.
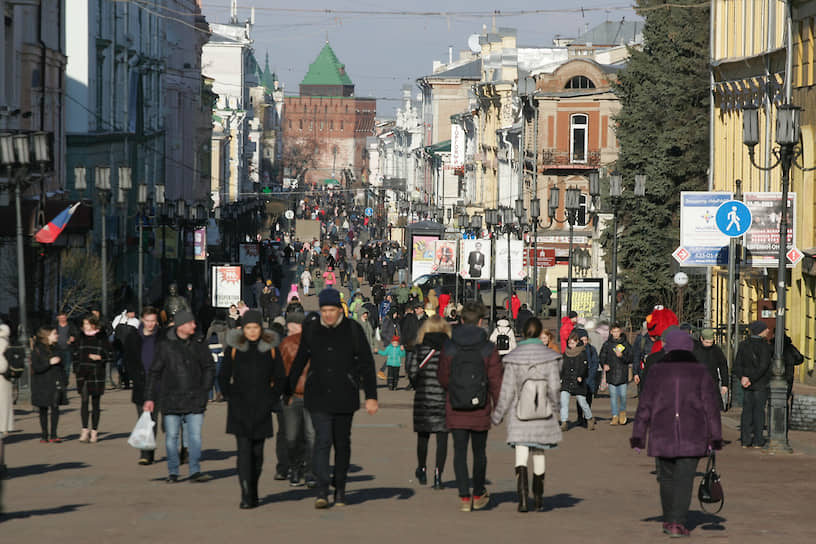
181	377
524	314
713	358
139	353
340	363
752	366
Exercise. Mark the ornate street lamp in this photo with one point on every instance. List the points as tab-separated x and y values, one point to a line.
492	220
572	202
103	191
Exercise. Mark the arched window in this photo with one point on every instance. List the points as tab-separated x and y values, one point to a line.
580	82
578	137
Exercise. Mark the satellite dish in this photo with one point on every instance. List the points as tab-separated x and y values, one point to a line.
473	43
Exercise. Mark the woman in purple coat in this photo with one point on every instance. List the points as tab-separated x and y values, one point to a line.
679	406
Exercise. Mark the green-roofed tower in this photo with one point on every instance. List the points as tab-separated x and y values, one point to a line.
327	76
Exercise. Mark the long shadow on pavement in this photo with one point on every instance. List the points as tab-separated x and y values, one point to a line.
696	518
20	437
30	470
66	509
115	436
554	502
359	496
217	455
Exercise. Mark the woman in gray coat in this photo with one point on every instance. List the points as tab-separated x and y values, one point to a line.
533	426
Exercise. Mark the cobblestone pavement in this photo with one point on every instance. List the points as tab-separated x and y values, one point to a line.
597	489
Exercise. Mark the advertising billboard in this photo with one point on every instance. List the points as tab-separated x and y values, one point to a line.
475	261
762	239
445	256
226	286
587	297
423	251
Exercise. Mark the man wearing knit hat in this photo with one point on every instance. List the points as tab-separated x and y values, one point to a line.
182	374
341	363
752	366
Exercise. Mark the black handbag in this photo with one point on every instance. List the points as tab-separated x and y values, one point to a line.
711	490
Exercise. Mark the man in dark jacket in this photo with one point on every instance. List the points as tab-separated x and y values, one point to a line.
616	356
593	375
713	358
753	367
182	374
139	353
470	425
339	360
641	348
523	315
410	325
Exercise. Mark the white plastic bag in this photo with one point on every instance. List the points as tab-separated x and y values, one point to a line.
142	437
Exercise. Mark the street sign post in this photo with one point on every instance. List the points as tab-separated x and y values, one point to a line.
733	218
369	212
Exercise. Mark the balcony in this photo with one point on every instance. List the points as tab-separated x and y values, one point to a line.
555	159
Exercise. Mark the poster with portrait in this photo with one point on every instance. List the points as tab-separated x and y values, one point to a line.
422	255
445	256
475	261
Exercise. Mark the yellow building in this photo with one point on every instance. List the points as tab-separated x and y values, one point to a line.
751	62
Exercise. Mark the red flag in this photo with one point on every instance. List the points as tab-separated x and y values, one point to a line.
49	233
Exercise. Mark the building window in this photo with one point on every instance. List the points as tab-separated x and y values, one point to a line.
580	82
304	108
325	109
321	125
578	137
341	126
290	123
331	125
346	109
300	122
311	125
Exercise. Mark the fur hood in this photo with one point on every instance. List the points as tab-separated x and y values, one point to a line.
269	340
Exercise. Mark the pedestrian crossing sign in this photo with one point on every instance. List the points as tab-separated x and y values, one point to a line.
733	218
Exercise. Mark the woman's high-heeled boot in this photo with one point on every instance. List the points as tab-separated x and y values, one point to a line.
538	492
437	479
521	487
421	476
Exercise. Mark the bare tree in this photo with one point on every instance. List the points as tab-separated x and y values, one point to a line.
81	286
300	155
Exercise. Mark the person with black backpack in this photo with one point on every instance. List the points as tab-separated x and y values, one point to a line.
470	370
529	394
504	337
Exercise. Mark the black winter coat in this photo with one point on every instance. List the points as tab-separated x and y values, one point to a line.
252	382
573	367
429	396
341	363
754	361
714	360
618	373
90	374
45	377
134	364
182	375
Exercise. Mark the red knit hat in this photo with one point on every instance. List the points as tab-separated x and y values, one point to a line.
395	338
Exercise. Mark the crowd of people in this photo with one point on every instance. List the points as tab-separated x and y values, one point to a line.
297	376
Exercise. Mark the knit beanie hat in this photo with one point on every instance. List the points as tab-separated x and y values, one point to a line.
676	339
295	317
756	327
329	297
182	317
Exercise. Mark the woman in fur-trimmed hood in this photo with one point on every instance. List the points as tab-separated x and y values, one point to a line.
252	379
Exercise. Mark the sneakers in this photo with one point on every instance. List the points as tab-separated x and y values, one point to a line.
564	426
622	418
614	420
144	461
321	503
55	440
172	478
464	504
280	475
43	441
294	478
200	478
339	497
675	530
481	501
381	375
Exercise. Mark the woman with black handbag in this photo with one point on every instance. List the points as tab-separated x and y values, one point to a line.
680	408
252	378
47	381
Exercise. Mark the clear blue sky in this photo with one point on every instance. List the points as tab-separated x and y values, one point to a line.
384	51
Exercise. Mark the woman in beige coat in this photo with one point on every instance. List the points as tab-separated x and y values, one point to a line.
6	398
528	368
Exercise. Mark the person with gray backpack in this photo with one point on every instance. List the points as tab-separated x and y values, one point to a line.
530	395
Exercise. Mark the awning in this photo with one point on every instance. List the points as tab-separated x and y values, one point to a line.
331	181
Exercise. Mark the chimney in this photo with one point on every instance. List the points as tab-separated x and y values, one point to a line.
450	54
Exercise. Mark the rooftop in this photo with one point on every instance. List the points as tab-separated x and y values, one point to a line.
326	70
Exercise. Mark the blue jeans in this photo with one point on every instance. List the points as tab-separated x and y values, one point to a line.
617	395
582	402
192	438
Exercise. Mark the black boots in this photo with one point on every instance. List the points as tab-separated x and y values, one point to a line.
421	476
246	495
437	479
521	486
538	491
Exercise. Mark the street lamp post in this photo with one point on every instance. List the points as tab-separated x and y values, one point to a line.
615	191
492	221
572	202
142	207
787	138
535	214
103	189
476	227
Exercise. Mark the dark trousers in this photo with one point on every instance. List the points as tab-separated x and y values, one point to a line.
441	449
250	464
331	430
44	421
154	415
676	477
281	446
581	419
752	421
95	409
393	377
478	441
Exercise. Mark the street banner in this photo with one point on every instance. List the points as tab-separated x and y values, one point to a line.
587	297
762	239
226	286
475	261
519	271
457	146
445	257
249	255
422	255
200	244
545	257
703	242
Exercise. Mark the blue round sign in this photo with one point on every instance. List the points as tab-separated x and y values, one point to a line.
733	218
369	212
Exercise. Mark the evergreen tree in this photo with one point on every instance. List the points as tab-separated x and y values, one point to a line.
663	131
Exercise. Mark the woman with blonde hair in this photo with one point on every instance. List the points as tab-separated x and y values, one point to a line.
548	339
429	396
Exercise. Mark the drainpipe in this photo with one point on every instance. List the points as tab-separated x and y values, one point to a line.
711	112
